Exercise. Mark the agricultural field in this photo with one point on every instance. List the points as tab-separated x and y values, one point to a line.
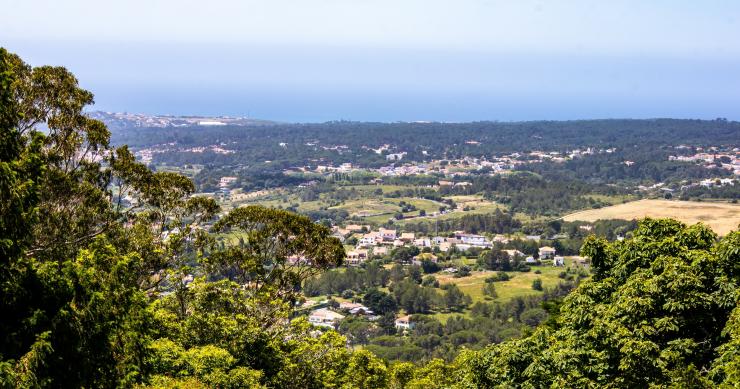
721	217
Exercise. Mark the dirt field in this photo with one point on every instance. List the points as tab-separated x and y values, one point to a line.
721	217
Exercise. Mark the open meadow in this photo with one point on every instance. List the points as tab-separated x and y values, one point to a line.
721	217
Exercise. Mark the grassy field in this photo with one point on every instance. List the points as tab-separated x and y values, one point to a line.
520	284
721	217
476	205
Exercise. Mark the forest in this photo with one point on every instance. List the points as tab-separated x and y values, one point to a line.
114	275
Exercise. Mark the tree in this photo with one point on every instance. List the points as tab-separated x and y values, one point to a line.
379	302
281	251
414	298
72	311
537	284
533	316
429	266
415	273
654	317
489	290
455	299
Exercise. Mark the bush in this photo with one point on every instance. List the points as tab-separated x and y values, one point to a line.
499	277
537	284
430	281
463	271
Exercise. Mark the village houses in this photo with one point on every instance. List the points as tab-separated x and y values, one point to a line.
324	317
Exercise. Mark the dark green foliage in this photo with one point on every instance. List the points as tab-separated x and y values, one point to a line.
253	146
656	315
537	284
379	302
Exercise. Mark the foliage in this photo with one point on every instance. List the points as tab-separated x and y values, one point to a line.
655	315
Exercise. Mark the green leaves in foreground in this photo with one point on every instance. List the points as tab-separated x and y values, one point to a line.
656	314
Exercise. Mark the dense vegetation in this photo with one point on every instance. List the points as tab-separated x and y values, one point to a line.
439	140
114	275
661	311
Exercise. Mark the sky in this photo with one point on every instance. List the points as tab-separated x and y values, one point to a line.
320	60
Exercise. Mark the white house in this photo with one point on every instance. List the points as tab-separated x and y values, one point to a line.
474	240
423	242
558	261
514	253
547	252
355	308
369	239
324	318
438	240
404	323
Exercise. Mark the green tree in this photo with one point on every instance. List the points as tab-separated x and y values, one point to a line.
489	290
537	284
455	299
655	316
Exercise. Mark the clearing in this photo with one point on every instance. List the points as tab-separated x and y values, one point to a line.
721	217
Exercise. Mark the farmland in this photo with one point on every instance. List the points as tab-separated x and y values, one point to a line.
721	217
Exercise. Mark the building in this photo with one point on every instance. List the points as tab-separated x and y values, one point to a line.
473	240
558	261
547	252
438	240
404	323
501	239
356	257
423	242
424	257
407	236
380	251
369	239
387	235
355	308
325	318
226	181
298	259
514	253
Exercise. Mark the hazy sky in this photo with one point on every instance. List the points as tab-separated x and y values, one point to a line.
316	60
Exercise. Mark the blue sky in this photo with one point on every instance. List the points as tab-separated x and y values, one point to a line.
317	60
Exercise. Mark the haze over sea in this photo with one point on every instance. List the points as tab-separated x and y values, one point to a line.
385	61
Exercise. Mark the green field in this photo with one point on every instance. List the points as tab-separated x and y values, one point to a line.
519	285
372	208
